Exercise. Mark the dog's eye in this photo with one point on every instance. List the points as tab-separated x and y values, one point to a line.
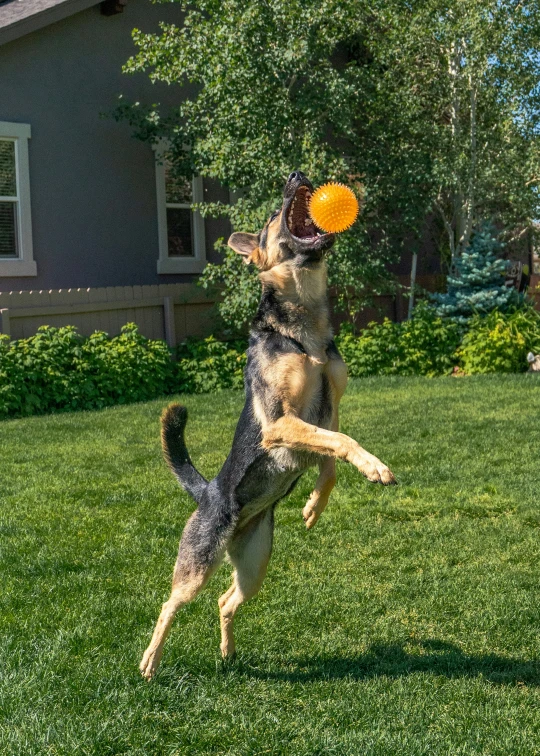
274	215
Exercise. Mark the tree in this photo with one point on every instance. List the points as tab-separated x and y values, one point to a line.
478	284
423	106
473	69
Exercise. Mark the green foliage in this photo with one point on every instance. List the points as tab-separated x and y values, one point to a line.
478	283
126	368
373	352
210	365
432	107
424	345
430	345
57	369
241	284
499	342
466	73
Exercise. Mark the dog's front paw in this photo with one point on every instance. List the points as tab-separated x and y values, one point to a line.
373	469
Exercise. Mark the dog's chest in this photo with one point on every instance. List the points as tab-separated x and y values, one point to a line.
271	477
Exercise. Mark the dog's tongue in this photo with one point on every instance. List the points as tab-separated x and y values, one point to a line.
302	231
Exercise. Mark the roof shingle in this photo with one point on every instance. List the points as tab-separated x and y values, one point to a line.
19	17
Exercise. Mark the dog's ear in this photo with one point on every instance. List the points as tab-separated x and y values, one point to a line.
245	244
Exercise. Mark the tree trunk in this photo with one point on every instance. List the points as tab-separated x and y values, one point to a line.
413	283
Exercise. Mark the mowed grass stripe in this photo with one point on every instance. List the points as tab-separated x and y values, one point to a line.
407	621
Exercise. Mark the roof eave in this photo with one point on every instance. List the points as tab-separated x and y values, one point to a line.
44	18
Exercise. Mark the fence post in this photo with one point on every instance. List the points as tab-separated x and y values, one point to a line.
168	321
4	322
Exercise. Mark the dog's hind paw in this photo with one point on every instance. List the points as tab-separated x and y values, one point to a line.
149	665
387	477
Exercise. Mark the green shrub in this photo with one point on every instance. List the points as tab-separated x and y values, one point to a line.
499	342
373	352
14	398
210	365
428	344
127	368
40	373
57	369
424	345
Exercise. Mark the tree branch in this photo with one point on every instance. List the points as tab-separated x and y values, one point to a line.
517	236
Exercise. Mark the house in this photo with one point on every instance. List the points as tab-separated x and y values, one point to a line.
92	232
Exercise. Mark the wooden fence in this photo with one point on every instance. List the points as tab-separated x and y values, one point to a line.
164	311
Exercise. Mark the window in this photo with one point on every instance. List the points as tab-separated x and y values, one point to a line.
181	229
9	199
16	255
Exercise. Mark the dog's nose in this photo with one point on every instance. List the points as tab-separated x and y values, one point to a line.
296	176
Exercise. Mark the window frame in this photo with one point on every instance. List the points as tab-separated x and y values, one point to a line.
24	264
170	265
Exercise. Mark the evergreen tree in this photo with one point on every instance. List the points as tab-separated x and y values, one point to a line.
477	282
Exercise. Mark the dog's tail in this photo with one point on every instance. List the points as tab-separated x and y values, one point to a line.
173	423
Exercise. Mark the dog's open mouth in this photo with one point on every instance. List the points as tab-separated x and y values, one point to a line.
299	221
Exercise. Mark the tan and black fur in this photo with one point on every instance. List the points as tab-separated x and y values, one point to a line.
294	381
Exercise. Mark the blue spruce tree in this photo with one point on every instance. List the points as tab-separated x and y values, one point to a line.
477	285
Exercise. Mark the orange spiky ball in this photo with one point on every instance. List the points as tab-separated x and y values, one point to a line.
333	207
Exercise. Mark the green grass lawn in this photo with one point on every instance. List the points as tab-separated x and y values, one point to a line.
406	622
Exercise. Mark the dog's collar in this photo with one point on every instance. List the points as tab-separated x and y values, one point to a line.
299	344
320	357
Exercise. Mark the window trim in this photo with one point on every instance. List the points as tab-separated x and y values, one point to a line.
24	265
171	265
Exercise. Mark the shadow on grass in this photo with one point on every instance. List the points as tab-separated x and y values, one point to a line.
400	659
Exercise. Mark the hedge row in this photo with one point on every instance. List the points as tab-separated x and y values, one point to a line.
429	345
58	369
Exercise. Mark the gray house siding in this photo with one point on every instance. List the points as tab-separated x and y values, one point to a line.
94	210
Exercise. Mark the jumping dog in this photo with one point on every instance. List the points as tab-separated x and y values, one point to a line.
294	380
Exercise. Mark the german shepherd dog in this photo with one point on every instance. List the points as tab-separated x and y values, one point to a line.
294	381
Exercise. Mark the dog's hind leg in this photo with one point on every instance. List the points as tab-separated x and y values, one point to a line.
249	552
201	551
